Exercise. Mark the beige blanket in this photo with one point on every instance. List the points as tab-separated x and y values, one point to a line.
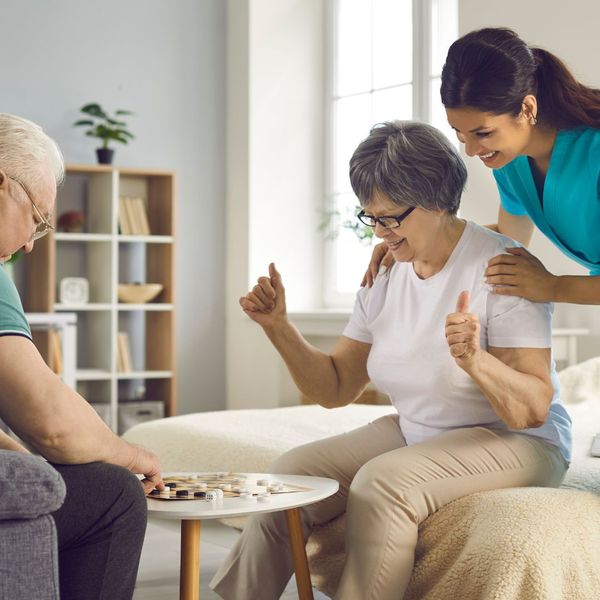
516	544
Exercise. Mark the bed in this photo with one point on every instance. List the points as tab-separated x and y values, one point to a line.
520	543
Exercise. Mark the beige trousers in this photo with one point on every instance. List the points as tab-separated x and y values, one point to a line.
386	489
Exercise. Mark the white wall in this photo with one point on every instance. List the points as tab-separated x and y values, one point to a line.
569	30
275	157
166	62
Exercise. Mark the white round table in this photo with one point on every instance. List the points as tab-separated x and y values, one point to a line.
191	512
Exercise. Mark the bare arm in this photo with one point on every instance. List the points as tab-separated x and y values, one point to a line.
57	421
517	227
331	380
516	381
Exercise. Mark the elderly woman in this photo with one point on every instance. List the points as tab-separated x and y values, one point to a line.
469	372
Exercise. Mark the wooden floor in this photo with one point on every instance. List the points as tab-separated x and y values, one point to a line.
158	576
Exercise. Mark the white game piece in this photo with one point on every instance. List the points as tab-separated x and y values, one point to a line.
211	496
262	482
263	497
245	494
226	487
219	493
201	485
276	487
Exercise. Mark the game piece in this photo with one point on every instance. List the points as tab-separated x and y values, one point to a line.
262	482
263	496
196	486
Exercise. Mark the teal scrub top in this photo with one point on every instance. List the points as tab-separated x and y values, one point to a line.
569	214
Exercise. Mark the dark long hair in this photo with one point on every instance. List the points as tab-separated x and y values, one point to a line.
493	69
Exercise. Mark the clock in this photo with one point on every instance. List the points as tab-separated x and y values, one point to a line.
74	290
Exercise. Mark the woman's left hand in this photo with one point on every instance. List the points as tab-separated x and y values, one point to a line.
520	273
462	332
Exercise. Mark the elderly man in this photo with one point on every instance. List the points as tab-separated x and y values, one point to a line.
102	522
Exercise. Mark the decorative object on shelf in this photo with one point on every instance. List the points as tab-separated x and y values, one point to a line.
74	290
105	128
70	222
138	293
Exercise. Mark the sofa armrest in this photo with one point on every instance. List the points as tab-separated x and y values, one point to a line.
29	486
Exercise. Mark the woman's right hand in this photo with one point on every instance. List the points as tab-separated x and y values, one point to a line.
380	259
265	302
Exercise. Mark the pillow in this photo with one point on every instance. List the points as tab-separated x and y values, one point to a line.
580	382
29	486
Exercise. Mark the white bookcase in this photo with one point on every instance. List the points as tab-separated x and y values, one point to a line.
106	258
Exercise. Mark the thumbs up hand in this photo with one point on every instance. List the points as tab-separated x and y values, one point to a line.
462	332
265	302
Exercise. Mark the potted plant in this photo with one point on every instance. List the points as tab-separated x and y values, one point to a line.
105	128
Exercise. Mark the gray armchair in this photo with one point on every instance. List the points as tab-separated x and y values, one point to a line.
30	490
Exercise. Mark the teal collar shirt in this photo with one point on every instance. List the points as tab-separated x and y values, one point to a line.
568	211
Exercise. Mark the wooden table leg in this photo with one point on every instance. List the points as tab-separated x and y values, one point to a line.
299	554
189	578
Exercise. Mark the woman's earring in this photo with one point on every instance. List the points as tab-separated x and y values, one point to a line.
532	120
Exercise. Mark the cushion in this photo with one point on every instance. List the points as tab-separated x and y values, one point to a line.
29	486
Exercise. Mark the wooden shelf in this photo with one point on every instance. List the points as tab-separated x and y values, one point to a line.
105	257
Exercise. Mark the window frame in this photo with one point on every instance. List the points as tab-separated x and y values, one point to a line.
422	79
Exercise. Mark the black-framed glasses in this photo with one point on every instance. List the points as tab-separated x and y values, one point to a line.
43	226
387	222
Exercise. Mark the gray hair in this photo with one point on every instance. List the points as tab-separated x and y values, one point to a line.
412	163
25	149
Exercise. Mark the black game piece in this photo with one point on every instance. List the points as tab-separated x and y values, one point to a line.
181	493
155	493
199	494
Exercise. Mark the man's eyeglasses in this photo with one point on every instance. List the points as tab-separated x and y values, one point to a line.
385	222
43	226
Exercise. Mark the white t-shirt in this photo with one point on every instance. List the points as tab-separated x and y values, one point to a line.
404	317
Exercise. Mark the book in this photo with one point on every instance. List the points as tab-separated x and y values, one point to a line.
124	223
132	217
139	208
124	361
55	351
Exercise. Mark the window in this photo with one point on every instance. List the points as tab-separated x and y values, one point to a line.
386	58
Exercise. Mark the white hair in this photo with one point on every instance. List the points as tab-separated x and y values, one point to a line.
25	149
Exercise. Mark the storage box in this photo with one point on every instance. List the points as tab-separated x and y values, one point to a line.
132	413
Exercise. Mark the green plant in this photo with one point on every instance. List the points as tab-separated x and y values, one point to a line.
103	126
333	221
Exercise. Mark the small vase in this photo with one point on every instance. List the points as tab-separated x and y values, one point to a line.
105	155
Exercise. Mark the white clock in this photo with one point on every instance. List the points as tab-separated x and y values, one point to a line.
74	290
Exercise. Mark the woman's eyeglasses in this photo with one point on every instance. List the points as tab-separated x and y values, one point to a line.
387	222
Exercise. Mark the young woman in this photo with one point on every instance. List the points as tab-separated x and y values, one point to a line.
524	115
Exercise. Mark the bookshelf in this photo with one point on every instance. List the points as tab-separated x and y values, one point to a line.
107	252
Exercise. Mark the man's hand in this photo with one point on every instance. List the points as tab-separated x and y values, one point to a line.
462	332
145	463
520	273
265	302
381	261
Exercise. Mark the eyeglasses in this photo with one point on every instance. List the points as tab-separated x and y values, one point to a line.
387	222
43	226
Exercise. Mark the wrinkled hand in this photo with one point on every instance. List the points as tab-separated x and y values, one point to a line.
462	332
520	273
381	261
146	463
265	302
